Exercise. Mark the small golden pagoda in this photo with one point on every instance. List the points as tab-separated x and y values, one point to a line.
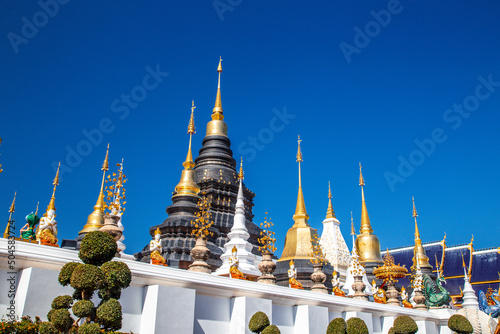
418	250
187	185
367	243
298	238
96	220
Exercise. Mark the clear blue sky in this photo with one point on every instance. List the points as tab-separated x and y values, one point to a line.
354	96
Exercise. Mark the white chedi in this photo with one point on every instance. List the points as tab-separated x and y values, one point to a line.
356	269
238	237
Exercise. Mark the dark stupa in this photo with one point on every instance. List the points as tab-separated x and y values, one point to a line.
213	174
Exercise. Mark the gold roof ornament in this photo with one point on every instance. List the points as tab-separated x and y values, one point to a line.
96	220
12	208
217	126
241	174
52	205
423	259
187	185
390	271
298	238
367	243
329	211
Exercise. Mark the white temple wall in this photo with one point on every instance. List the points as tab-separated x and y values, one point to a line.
162	299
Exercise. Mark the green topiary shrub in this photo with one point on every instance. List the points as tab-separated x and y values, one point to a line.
83	308
92	328
272	329
405	325
337	326
117	275
97	248
66	272
61	319
47	328
87	278
459	324
258	322
109	314
356	326
391	331
62	302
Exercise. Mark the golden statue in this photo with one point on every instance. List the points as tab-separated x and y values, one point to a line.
335	285
234	263
378	293
155	248
292	277
404	298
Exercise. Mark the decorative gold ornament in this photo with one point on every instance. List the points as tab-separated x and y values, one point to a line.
201	226
267	238
390	272
317	254
329	211
241	174
115	192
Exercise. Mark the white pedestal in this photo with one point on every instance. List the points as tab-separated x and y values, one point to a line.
243	308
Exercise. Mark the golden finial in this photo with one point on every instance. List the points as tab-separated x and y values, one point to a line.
191	128
291	263
51	205
329	211
361	180
437	262
217	112
241	174
157	231
12	208
234	249
300	209
415	215
37	204
105	165
353	231
463	261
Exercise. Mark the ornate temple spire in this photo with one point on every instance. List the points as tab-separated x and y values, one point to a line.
353	232
365	220
11	210
419	251
187	185
300	215
95	220
241	174
329	211
469	296
217	126
367	243
52	205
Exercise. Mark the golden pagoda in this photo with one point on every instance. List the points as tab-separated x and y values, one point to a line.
187	185
367	243
96	220
217	126
298	238
423	259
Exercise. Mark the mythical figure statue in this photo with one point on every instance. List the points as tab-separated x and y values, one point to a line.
234	263
404	298
493	310
435	294
155	248
336	285
378	293
47	230
292	277
28	230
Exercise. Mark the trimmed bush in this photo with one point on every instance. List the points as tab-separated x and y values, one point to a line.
459	324
258	322
97	248
66	272
48	328
87	278
272	329
109	314
106	294
116	274
89	329
356	326
62	302
49	315
83	308
61	319
337	326
391	331
405	325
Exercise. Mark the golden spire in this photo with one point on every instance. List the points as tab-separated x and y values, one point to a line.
36	211
217	112
12	208
419	251
329	211
241	174
51	205
96	220
365	220
187	185
353	231
300	209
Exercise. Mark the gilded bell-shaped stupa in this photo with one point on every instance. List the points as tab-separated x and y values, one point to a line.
367	243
